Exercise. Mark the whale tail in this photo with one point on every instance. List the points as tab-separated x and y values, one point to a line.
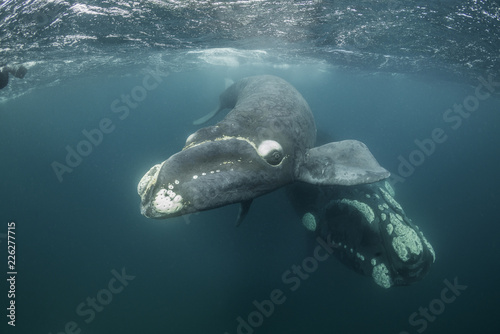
228	82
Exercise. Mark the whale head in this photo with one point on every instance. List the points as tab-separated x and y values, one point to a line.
212	174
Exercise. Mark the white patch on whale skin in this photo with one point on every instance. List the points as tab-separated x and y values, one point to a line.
381	276
361	207
309	221
390	228
406	241
395	205
167	202
190	138
389	188
148	179
429	246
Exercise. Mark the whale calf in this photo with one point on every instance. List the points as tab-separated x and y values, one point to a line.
366	229
265	142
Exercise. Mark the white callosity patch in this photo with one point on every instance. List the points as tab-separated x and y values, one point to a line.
167	202
406	240
381	276
390	228
361	207
391	200
148	179
309	221
389	188
429	247
190	138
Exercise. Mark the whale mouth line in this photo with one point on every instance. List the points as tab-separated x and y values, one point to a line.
258	149
222	138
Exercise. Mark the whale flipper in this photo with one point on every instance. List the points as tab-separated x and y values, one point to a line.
347	162
228	83
207	117
244	208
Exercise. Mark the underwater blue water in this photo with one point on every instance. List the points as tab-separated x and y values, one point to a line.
386	73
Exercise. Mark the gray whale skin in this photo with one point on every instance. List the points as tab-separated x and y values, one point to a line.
265	142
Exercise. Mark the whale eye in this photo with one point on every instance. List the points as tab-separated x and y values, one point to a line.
271	151
274	157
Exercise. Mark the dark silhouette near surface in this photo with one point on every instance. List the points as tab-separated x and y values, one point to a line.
18	72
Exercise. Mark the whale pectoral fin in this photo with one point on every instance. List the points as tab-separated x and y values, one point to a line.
244	208
208	116
347	162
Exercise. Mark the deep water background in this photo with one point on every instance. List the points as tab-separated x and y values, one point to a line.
197	275
383	74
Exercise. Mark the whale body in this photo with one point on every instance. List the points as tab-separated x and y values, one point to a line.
265	142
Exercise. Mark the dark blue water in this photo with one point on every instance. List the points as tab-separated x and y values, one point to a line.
88	262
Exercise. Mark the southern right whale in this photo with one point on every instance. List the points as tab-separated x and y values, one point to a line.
265	142
366	229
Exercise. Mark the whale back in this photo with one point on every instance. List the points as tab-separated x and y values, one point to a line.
263	108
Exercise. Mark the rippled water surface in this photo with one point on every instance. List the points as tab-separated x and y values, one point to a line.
453	39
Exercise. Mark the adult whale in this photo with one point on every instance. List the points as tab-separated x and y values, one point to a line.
265	142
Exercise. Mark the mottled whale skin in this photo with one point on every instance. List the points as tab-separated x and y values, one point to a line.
366	229
265	142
